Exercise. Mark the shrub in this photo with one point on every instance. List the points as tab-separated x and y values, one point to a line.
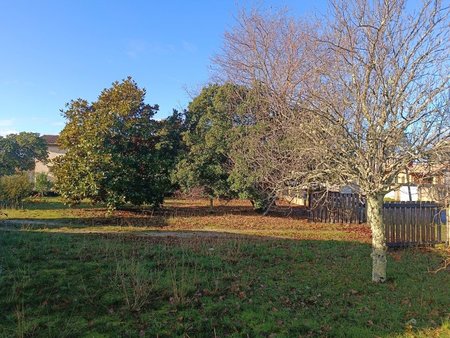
13	189
42	184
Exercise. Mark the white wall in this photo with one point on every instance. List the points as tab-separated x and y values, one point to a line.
53	151
404	194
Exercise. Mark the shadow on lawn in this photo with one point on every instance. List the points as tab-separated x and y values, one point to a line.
51	203
246	285
84	223
85	215
283	209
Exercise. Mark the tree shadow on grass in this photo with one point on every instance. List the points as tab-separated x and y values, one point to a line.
52	203
223	285
86	223
283	210
175	208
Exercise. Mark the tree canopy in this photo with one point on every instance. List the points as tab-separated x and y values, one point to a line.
115	153
19	152
207	136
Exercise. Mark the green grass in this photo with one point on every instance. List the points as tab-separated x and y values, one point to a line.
281	277
44	208
66	285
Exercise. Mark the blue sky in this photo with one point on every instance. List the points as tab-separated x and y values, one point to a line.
55	51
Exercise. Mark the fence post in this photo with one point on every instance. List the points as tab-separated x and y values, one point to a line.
448	225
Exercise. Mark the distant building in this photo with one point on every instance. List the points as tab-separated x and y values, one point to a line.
416	185
53	151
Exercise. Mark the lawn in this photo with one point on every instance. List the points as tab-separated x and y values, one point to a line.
136	275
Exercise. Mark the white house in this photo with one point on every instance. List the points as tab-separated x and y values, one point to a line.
53	151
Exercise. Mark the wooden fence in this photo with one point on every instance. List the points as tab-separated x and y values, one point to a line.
413	223
334	207
406	223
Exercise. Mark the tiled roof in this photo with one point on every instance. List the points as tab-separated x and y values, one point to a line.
51	139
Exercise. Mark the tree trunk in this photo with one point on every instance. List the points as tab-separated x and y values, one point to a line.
408	182
211	202
375	219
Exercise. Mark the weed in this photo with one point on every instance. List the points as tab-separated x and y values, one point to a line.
135	280
20	317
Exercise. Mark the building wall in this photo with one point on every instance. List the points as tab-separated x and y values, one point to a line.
53	151
421	189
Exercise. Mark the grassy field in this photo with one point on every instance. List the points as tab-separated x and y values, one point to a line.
191	273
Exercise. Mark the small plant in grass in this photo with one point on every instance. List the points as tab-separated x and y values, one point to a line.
21	323
179	288
135	281
182	277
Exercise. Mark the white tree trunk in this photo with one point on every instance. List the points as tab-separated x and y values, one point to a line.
375	219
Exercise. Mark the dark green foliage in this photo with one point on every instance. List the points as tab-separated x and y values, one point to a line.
217	125
13	189
170	142
246	181
114	154
42	184
18	152
213	122
206	163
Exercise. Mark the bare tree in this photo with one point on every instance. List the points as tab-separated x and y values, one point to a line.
365	93
266	54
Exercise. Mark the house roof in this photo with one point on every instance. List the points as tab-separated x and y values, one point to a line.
51	139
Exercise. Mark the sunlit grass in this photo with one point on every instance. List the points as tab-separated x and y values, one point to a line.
45	208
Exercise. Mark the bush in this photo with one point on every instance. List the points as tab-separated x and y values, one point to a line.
13	189
42	184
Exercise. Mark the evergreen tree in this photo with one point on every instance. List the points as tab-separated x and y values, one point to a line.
113	148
